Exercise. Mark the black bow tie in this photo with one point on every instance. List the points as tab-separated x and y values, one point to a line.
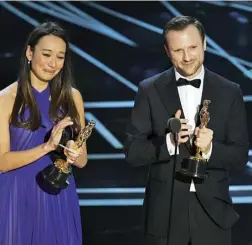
195	83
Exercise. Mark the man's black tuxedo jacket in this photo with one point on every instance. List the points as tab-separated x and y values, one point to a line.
156	101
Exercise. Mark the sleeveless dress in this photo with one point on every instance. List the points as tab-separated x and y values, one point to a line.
29	213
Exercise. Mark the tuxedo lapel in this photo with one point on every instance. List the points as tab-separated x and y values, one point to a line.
168	92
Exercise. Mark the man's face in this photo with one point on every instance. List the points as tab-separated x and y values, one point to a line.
186	50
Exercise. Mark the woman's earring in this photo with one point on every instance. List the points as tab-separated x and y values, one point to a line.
29	62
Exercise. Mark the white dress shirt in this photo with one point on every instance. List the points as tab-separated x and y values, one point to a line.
190	98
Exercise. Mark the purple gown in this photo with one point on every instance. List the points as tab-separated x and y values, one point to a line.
28	214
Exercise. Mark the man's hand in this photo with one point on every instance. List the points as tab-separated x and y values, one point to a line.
185	130
204	138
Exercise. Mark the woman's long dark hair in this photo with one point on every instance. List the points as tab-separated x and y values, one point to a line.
62	102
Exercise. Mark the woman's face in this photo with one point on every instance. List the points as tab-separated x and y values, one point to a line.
47	58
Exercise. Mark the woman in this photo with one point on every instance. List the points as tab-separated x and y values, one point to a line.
43	101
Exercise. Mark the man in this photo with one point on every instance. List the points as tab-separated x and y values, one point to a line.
202	212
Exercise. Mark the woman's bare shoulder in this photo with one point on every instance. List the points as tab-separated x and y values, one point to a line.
9	91
7	96
77	95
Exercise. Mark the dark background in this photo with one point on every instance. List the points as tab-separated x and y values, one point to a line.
115	45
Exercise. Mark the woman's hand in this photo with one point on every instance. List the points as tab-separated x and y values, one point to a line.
72	153
56	133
